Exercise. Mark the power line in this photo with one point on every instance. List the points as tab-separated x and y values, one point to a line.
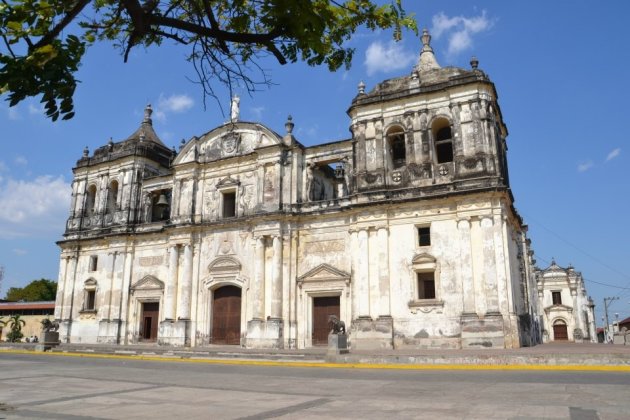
614	270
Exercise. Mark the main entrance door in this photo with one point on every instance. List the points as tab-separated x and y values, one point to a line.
226	315
149	321
560	332
323	307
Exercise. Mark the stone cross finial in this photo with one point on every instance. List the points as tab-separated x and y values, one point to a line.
234	108
147	114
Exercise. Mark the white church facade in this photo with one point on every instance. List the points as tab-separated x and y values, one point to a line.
406	231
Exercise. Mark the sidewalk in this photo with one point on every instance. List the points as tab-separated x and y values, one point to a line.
546	355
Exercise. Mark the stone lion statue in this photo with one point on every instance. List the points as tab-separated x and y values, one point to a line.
336	325
49	326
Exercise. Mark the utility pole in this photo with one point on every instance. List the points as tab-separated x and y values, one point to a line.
606	302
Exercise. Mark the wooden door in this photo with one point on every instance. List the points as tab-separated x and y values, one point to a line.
149	321
323	307
560	332
226	315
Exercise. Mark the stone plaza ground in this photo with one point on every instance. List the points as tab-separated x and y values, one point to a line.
121	386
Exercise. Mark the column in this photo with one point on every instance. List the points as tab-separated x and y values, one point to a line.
363	274
466	268
276	281
183	305
61	287
258	285
489	265
171	284
68	298
383	270
112	257
355	274
478	267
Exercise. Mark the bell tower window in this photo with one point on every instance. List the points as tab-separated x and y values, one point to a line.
112	196
396	143
443	139
90	201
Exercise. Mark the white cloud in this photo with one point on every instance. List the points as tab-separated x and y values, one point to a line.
35	110
383	58
459	29
20	160
585	166
257	112
19	251
14	114
30	207
3	167
613	154
177	103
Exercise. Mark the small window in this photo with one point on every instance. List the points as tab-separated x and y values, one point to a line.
93	263
229	204
424	236
426	285
556	298
90	300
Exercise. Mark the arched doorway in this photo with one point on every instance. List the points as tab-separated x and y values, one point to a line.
560	331
226	315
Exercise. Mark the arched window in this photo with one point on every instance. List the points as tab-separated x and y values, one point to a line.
443	140
396	143
90	201
112	196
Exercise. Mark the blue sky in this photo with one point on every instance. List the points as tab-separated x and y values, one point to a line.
560	68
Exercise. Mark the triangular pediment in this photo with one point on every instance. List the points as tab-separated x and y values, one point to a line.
228	181
224	264
148	283
558	308
423	258
324	272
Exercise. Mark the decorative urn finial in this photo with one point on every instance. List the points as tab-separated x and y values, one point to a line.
474	63
289	125
361	88
147	114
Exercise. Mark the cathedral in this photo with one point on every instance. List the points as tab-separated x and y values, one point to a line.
406	231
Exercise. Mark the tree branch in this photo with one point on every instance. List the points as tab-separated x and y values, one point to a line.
56	30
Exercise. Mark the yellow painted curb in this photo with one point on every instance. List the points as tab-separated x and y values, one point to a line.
395	366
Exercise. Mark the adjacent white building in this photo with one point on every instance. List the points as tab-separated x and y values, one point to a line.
406	230
567	312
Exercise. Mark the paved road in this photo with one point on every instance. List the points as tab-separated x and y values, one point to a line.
61	387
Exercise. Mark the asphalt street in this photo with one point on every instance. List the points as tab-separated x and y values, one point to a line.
62	387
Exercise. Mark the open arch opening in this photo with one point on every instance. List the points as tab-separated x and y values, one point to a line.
396	142
443	140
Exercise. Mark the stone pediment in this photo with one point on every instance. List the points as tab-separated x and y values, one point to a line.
228	181
229	140
324	272
223	265
148	283
558	308
423	258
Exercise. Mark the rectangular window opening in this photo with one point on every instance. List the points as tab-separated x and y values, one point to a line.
424	236
556	298
444	152
426	286
90	299
93	263
229	204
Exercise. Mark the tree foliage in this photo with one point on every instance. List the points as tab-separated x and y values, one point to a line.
37	290
44	41
15	323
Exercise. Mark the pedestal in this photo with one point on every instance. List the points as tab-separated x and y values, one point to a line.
174	333
482	333
370	334
337	344
264	334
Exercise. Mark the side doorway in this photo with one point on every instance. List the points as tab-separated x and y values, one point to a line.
323	307
149	321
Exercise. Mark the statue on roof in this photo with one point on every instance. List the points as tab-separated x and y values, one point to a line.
234	108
